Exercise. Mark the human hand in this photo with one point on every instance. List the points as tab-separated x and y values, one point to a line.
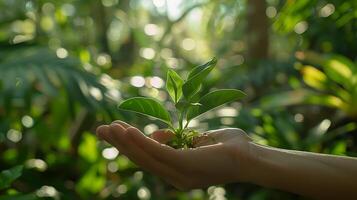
220	156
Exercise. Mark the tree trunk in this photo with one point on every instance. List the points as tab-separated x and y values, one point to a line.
257	30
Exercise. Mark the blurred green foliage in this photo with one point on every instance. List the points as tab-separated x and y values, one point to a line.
64	66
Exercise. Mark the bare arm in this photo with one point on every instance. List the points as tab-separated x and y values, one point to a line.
229	155
310	174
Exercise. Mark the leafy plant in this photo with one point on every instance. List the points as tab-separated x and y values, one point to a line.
335	85
332	82
188	102
37	70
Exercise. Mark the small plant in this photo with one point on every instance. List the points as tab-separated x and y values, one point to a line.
188	102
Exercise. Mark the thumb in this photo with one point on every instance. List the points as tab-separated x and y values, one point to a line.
163	136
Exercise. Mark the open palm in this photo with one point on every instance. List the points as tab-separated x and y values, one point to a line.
219	156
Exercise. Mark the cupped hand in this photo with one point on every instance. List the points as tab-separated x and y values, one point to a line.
220	156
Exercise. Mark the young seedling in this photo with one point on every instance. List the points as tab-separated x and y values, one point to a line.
188	102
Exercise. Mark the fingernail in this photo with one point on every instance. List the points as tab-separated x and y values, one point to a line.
101	131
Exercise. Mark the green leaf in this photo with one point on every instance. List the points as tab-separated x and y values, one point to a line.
174	85
10	175
213	100
199	68
146	106
314	77
36	68
285	98
327	100
196	77
340	70
184	105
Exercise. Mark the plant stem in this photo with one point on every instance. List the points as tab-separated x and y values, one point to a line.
186	125
180	121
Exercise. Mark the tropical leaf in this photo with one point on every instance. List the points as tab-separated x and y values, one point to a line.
29	69
303	96
146	106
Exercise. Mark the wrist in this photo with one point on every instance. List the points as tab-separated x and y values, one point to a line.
246	160
259	165
270	166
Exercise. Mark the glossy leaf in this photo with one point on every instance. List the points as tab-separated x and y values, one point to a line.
174	85
146	106
199	68
196	77
213	100
10	175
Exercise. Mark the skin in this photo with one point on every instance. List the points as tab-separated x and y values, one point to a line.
229	155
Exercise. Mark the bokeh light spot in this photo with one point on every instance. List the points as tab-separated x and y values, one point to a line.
144	193
27	121
299	117
96	93
271	12
38	164
14	135
147	53
151	29
156	82
61	53
137	81
301	27
109	3
188	44
112	166
159	3
327	10
47	191
227	112
150	128
110	153
122	189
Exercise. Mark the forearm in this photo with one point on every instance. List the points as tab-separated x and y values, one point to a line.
309	174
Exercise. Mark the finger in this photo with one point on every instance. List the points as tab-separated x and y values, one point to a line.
204	140
141	158
226	134
162	136
117	133
161	152
123	124
103	133
214	137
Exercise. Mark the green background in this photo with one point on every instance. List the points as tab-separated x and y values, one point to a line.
65	65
